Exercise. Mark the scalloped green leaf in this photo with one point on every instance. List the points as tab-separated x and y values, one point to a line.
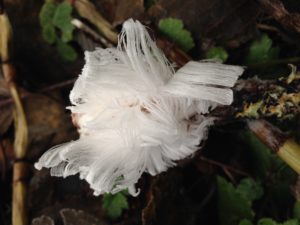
232	207
67	52
291	222
114	204
245	222
62	20
174	30
49	33
296	210
217	53
267	221
67	35
249	189
47	12
262	51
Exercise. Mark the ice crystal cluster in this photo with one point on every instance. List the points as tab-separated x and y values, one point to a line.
136	114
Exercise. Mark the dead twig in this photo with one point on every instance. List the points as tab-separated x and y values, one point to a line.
89	31
6	156
286	148
87	10
224	167
276	10
42	90
267	27
20	168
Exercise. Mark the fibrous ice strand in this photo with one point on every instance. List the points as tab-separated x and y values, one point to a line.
135	114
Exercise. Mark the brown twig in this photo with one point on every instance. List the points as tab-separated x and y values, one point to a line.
6	156
225	167
172	52
3	161
267	27
276	10
87	10
57	86
20	168
286	148
89	31
42	90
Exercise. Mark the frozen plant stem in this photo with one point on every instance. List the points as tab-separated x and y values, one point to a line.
20	168
286	148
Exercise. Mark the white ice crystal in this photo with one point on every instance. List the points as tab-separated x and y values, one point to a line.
136	114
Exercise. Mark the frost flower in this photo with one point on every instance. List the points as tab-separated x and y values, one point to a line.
135	114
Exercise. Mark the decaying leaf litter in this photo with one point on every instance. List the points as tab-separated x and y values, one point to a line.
234	166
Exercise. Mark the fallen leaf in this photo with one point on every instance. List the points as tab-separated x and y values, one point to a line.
43	220
117	11
277	10
79	217
49	123
229	23
6	157
6	111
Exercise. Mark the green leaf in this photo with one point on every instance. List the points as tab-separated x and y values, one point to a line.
296	210
173	29
47	13
262	51
67	35
66	51
267	221
115	204
245	222
249	189
62	20
217	53
280	188
258	153
48	32
232	207
291	222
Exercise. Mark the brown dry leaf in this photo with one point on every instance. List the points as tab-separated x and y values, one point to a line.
6	157
277	10
43	220
79	217
117	11
70	217
148	213
128	9
41	190
6	118
6	111
227	22
49	123
296	189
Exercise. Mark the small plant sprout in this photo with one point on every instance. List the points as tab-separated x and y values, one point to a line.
135	114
